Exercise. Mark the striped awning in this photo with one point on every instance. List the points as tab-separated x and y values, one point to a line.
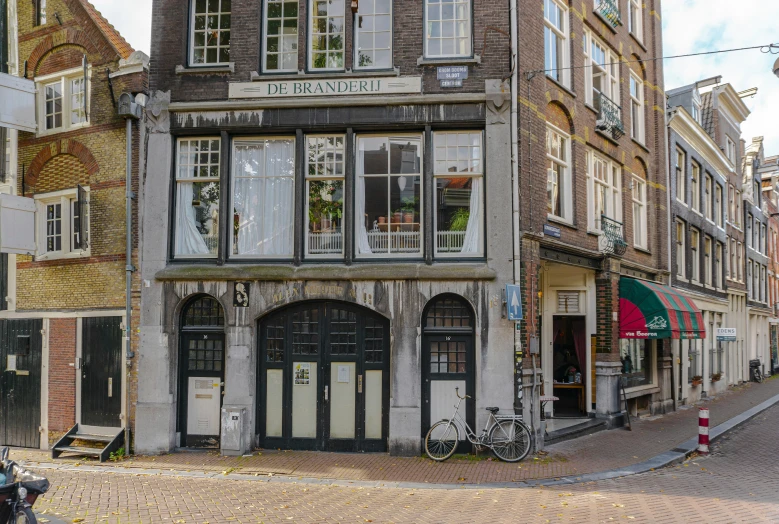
649	310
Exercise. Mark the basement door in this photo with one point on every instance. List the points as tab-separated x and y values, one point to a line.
101	371
324	378
20	382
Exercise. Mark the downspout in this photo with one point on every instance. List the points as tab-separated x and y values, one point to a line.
129	269
674	386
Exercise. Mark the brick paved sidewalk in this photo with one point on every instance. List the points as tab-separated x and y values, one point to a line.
594	453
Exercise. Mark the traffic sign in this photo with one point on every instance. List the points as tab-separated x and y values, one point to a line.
514	302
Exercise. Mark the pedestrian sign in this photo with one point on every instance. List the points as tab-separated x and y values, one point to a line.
514	302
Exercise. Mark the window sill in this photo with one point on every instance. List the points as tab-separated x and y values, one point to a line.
682	279
641	145
59	130
561	86
339	272
348	73
637	40
206	70
423	60
61	256
561	221
642	250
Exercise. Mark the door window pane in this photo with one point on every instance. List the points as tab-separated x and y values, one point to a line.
281	35
263	197
197	198
327	34
373	28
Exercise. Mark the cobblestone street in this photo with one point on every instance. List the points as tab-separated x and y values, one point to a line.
735	484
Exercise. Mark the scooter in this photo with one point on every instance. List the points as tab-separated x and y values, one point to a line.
19	489
754	370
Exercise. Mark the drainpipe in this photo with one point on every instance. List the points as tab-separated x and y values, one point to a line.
674	367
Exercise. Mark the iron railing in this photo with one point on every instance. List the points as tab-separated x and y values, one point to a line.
609	117
609	9
612	240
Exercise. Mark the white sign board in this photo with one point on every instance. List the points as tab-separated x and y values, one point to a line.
17	103
726	334
327	87
17	225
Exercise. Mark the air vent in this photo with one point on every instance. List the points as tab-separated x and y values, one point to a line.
568	301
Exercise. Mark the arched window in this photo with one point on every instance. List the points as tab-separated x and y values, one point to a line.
204	311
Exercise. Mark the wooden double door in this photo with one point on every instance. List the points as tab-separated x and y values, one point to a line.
323	378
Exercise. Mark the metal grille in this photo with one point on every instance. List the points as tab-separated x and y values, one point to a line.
449	312
305	332
447	357
274	339
343	332
204	312
374	341
205	355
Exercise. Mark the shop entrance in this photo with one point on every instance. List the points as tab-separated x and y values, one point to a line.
569	365
323	380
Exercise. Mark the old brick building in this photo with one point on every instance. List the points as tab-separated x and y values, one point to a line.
64	317
594	220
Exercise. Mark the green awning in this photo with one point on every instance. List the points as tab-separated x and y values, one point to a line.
650	310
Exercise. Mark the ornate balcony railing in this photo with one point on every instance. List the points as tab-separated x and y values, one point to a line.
609	9
612	241
609	117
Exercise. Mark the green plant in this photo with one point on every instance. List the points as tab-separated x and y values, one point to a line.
459	220
117	455
409	204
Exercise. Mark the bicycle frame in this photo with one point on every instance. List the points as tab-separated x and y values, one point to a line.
469	433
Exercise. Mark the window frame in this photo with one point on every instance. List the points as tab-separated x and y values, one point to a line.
307	195
740	261
191	43
730	150
636	29
695	187
681	176
40	17
708	190
637	108
266	34
65	80
327	52
426	38
719	251
566	195
708	262
681	249
641	203
610	66
356	42
66	199
719	219
613	186
695	247
563	36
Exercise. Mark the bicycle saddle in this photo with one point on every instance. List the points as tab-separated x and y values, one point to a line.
492	410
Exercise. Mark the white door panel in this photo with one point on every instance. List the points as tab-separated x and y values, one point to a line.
203	404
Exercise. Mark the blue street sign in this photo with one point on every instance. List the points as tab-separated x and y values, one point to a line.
514	302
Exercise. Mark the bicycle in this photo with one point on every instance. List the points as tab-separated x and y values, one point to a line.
508	437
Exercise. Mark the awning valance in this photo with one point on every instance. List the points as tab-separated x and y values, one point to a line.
649	310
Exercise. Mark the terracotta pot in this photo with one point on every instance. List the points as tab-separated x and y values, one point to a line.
382	220
397	217
697	382
408	218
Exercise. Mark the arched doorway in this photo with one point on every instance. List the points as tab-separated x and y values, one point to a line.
201	367
448	361
323	378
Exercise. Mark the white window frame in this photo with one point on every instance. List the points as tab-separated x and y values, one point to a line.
469	30
762	238
325	178
695	246
637	116
708	190
730	150
65	199
708	251
719	208
327	52
470	174
640	221
749	232
718	258
681	176
740	261
609	68
219	14
681	249
739	217
560	33
695	187
281	36
358	33
611	183
566	191
65	79
636	19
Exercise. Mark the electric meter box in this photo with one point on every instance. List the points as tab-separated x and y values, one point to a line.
17	225
232	430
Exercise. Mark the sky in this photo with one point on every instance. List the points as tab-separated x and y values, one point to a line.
689	26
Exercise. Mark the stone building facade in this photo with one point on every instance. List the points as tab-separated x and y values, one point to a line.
64	317
327	223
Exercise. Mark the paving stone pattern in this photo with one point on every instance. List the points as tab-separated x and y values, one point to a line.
735	484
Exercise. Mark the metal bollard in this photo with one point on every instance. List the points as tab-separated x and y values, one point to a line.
703	431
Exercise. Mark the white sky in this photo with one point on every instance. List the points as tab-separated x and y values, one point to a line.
688	25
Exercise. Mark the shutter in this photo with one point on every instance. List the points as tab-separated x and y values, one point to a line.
85	66
568	302
83	217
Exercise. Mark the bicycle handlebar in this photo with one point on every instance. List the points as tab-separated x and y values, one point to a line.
457	392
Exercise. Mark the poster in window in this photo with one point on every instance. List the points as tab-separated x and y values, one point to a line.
303	374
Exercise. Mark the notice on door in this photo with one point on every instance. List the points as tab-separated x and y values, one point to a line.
10	363
344	374
303	374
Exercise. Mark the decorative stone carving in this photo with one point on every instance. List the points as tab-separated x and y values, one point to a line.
498	101
157	115
136	62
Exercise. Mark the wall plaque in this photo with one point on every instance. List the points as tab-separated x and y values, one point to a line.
241	294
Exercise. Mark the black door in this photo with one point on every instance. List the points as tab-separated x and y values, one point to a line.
323	379
101	371
448	362
20	382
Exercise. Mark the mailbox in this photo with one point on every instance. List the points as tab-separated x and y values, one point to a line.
128	108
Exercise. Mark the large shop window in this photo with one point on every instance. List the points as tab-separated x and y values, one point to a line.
388	195
448	31
636	358
210	38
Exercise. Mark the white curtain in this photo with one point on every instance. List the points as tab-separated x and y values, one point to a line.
189	241
473	241
363	246
264	198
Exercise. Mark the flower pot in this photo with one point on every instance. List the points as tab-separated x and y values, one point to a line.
397	217
697	382
408	218
382	220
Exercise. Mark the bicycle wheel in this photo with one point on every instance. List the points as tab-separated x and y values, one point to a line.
441	441
24	516
510	440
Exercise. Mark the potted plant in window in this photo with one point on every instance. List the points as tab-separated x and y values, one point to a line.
459	220
409	209
716	377
697	380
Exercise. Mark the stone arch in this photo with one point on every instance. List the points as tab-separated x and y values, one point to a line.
53	41
61	147
639	168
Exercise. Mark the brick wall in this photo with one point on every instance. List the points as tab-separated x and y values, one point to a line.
62	374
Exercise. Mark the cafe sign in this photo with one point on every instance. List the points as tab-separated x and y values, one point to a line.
327	87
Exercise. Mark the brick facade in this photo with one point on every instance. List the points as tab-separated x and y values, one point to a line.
62	374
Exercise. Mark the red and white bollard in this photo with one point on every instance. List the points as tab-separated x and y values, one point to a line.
703	431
